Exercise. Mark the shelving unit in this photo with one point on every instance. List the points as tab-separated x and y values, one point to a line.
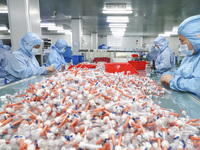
87	52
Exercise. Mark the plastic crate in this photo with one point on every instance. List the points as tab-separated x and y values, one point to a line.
101	59
92	66
134	55
138	65
86	66
68	60
81	58
120	67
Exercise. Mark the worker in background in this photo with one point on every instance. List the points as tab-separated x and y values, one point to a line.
22	63
187	76
4	57
7	47
56	58
153	54
165	59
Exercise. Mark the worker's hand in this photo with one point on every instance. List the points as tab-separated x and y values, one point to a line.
50	69
166	78
151	66
69	64
62	67
148	62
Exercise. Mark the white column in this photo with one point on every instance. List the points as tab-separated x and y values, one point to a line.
94	40
77	34
24	16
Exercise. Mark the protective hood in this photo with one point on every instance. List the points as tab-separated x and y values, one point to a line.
28	42
162	42
60	46
190	28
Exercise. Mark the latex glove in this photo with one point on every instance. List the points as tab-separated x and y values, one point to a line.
166	78
50	69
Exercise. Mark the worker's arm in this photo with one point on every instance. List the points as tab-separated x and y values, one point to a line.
19	68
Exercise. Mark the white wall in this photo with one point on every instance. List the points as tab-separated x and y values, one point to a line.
128	43
172	43
86	43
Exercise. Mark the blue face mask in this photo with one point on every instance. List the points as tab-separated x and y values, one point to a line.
185	50
34	51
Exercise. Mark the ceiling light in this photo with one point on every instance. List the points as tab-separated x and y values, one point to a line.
118	33
171	33
3	11
3	28
175	29
117	11
117	19
47	24
112	25
64	31
55	28
118	29
165	35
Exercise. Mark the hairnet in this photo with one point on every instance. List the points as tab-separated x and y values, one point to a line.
1	43
61	44
190	28
162	42
29	41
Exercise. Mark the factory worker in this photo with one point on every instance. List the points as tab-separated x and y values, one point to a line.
4	57
7	47
22	63
56	58
165	60
187	76
152	55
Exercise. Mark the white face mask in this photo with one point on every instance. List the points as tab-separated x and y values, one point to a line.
34	51
185	50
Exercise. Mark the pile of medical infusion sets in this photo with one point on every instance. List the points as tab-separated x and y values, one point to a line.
92	109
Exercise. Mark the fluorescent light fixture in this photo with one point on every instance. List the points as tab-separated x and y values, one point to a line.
118	32
3	28
175	29
3	11
47	24
165	35
117	11
117	19
111	25
171	33
118	29
64	31
55	28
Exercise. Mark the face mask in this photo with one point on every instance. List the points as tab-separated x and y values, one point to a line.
185	50
34	51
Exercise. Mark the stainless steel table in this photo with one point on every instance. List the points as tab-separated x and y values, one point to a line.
173	100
